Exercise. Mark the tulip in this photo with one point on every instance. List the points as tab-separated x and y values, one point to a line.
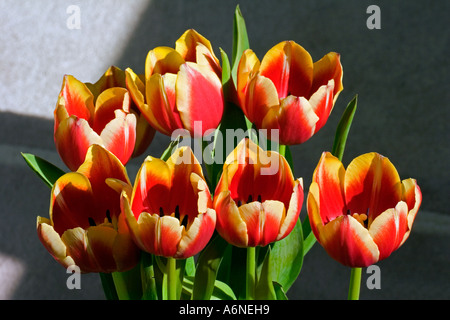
86	227
89	114
115	77
286	91
169	211
362	214
257	200
182	86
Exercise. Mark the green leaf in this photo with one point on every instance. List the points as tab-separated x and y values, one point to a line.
128	283
108	285
264	287
190	266
279	291
343	129
309	239
240	40
148	279
287	258
207	267
47	171
221	290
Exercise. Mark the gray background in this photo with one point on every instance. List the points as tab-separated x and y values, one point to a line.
399	72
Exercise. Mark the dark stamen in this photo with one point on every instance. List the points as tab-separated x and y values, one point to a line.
185	221
177	212
161	212
108	216
259	198
239	203
91	222
250	199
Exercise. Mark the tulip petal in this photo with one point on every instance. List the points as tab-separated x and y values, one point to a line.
78	100
412	195
199	89
152	186
183	165
329	176
290	67
389	228
126	253
100	242
293	212
253	216
274	215
162	60
229	222
119	135
76	242
73	138
52	242
372	185
101	164
160	109
348	242
113	77
159	235
135	86
321	102
187	45
72	203
107	102
247	69
205	57
327	68
197	235
261	96
294	118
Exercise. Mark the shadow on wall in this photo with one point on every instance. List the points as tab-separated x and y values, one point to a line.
400	115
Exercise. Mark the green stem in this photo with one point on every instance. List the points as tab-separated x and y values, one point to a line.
108	286
282	150
172	279
251	273
148	277
355	284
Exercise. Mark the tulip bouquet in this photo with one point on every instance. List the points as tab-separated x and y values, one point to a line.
225	223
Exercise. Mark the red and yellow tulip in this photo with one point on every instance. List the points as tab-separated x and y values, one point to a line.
99	113
86	227
182	86
169	211
257	200
362	214
287	91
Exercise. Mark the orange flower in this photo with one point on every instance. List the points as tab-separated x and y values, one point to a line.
169	210
99	113
86	227
362	214
257	200
287	91
182	86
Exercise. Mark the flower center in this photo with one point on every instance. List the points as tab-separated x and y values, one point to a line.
249	199
108	219
182	218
